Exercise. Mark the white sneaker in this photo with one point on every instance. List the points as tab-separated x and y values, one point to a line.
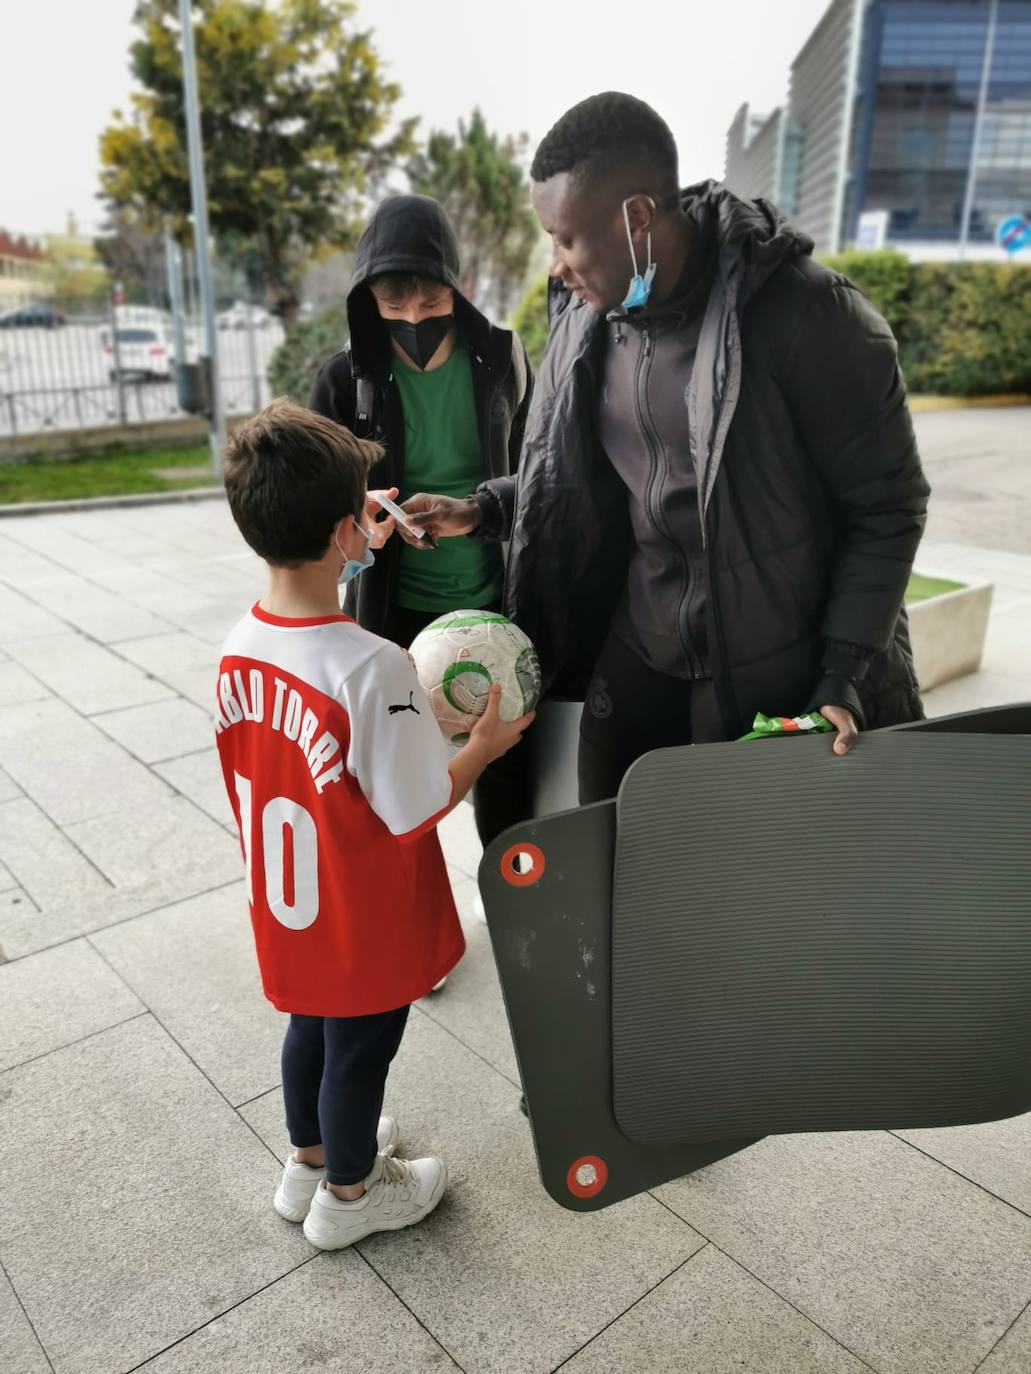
398	1192
299	1182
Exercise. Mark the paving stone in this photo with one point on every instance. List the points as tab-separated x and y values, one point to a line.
196	685
470	1005
910	1267
20	567
153	1214
214	623
7	878
8	787
153	592
16	685
21	618
160	730
194	965
360	1326
975	692
57	997
711	1317
501	1276
69	767
168	653
1013	1353
96	612
22	1352
459	840
199	777
171	844
86	675
52	539
16	907
994	1155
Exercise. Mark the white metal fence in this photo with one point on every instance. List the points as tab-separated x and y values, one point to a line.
77	375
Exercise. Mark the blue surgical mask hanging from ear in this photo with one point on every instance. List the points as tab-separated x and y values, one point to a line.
353	566
640	288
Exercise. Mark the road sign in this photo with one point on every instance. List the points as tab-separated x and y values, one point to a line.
1014	233
872	230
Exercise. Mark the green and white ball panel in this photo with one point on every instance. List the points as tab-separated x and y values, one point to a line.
459	655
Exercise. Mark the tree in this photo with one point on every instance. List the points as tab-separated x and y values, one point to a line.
293	111
478	179
135	256
530	321
74	270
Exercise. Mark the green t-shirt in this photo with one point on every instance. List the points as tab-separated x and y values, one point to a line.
443	456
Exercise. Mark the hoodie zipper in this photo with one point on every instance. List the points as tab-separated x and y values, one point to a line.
653	504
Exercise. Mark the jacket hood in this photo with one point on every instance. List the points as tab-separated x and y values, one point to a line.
405	234
752	236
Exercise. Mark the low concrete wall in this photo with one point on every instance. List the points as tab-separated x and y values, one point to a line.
187	431
948	633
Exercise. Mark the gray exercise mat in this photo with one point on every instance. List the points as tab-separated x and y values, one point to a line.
551	931
802	942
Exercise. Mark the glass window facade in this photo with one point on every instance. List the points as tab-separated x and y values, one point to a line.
920	79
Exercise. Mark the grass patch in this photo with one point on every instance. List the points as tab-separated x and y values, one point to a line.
113	474
923	588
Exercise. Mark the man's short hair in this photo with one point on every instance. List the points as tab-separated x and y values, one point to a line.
290	477
610	135
398	287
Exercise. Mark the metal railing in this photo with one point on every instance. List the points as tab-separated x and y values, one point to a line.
86	373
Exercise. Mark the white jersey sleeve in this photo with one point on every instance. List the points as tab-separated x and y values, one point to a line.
397	752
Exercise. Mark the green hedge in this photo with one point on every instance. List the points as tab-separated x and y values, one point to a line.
530	321
296	362
963	329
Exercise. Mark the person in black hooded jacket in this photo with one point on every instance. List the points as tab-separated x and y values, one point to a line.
719	497
446	393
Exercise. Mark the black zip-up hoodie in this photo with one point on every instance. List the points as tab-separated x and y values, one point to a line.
356	386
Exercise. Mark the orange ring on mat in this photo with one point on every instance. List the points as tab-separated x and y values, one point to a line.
537	865
594	1187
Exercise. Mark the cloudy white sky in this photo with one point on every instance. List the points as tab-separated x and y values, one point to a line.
65	68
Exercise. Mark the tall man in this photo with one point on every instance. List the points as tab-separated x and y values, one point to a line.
720	496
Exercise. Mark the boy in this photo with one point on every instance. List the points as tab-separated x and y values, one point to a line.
447	393
338	775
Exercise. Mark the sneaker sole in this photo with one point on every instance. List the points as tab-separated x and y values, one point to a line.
399	1225
297	1214
286	1211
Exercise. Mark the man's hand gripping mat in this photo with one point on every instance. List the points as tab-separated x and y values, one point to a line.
768	938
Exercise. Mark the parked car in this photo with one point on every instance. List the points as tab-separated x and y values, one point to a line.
145	351
236	316
32	317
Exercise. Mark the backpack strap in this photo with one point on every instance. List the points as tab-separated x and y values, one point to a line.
519	368
364	407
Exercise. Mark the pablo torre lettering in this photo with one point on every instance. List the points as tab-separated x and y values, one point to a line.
246	695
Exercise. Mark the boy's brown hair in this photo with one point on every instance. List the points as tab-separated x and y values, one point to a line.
291	476
397	288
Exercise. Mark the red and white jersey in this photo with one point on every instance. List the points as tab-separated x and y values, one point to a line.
337	774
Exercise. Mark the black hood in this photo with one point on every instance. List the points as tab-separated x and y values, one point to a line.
752	236
405	234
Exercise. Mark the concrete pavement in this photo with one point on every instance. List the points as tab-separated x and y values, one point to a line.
141	1118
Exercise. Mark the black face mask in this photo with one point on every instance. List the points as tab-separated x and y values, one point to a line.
420	341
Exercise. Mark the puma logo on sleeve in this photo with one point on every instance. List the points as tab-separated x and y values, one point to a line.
410	707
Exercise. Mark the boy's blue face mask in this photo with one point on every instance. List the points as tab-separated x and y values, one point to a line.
353	566
640	288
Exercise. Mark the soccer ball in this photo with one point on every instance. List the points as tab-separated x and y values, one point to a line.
460	654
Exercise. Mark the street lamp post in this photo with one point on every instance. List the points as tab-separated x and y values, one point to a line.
201	238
